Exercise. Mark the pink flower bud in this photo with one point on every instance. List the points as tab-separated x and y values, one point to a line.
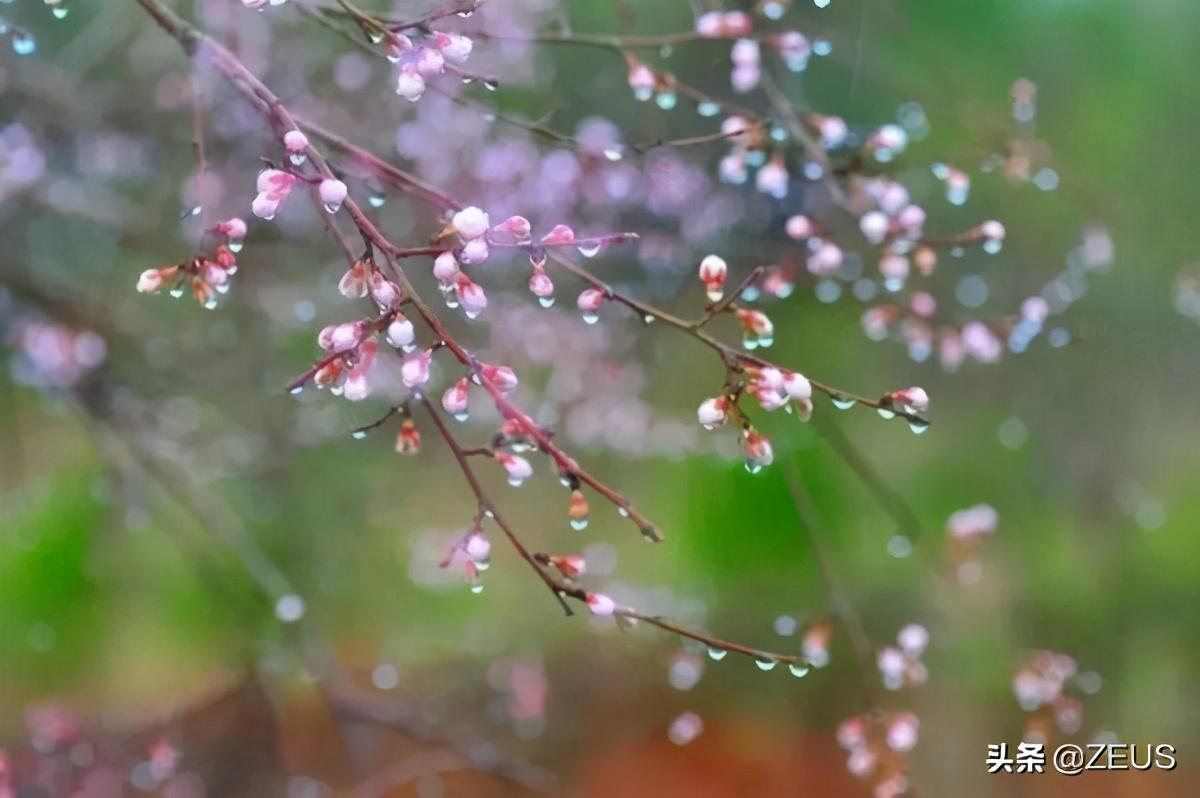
799	228
400	332
383	291
471	295
503	377
517	227
902	733
455	47
214	274
826	260
833	130
275	184
345	336
712	274
410	85
150	281
745	78
600	604
414	372
874	226
478	548
772	178
295	142
710	25
559	235
912	400
759	452
445	268
356	388
570	566
889	138
333	194
797	386
454	400
745	52
430	62
470	223
590	299
475	251
517	467
913	639
736	23
264	207
540	284
354	282
643	81
232	228
893	266
755	321
992	230
912	219
712	412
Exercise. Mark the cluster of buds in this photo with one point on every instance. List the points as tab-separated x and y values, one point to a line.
648	84
363	278
54	356
274	185
425	59
476	240
825	258
1040	686
206	278
967	529
900	665
351	347
878	747
775	388
724	24
749	149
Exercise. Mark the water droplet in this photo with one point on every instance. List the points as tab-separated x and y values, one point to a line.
358	434
176	292
23	43
647	319
579	524
590	318
546	301
375	36
798	669
296	390
821	3
708	109
613	153
844	402
298	158
236	245
765	663
624	511
716	654
332	207
477	588
918	426
753	467
461	417
376	199
491	84
210	303
666	100
60	12
589	249
885	412
516	482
